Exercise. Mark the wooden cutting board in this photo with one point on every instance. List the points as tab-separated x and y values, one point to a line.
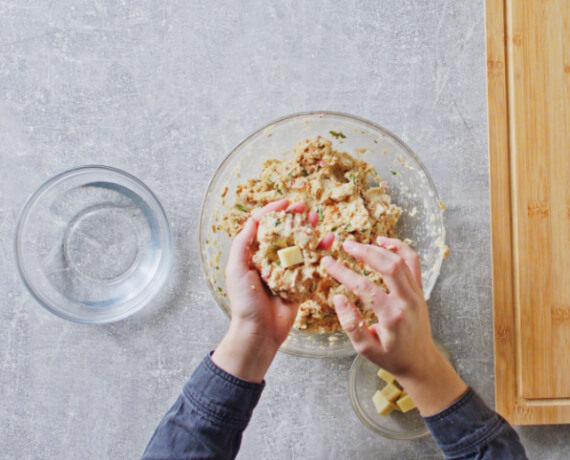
528	66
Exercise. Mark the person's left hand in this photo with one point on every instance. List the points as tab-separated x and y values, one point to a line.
260	321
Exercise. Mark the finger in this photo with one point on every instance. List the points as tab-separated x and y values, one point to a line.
408	254
326	243
273	206
366	290
363	341
313	218
300	206
395	273
240	256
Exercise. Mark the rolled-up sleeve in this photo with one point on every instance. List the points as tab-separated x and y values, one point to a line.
208	418
468	429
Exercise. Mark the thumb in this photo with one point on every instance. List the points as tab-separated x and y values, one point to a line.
351	321
240	256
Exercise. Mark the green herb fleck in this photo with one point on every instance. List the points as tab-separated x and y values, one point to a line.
217	268
365	272
320	213
240	207
334	228
277	222
278	263
304	171
348	228
342	239
375	141
279	191
270	181
290	174
351	176
394	173
337	134
207	242
219	289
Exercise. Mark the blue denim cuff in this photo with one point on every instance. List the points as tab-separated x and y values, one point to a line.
220	397
465	426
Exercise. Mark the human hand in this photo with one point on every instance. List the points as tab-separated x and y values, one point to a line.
260	321
401	341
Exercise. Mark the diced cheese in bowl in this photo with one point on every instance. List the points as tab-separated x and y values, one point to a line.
405	403
392	397
391	392
385	375
383	406
290	256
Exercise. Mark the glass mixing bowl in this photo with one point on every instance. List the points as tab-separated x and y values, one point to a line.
363	383
93	245
409	184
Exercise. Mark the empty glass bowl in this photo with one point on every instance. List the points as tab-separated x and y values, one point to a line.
409	184
93	245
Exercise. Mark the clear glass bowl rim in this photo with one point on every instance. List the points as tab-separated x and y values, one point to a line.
38	193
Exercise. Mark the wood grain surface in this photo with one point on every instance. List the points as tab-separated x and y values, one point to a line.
528	67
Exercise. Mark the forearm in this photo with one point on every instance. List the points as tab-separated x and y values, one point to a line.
209	417
434	386
460	422
245	353
468	429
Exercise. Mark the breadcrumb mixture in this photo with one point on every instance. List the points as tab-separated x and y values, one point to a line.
351	201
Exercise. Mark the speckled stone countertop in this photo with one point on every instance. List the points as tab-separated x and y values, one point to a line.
164	90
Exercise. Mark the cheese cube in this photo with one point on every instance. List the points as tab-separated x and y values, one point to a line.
383	406
405	404
385	375
290	256
391	392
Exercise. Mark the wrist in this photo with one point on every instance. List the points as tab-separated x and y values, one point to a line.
435	386
245	353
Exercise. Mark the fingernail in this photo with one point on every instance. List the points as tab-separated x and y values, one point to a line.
327	261
339	302
349	245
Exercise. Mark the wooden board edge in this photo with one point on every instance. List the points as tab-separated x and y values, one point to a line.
508	399
501	223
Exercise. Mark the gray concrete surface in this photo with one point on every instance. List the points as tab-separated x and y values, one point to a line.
164	90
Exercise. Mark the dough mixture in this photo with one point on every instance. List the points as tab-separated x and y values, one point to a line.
350	200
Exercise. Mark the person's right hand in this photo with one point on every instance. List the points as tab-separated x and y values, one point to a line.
401	341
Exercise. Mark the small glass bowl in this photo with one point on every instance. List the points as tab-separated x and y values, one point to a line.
409	184
93	245
363	383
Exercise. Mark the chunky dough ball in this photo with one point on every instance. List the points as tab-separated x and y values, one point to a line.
279	230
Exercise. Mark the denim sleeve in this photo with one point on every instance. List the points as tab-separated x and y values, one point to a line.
468	429
208	418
